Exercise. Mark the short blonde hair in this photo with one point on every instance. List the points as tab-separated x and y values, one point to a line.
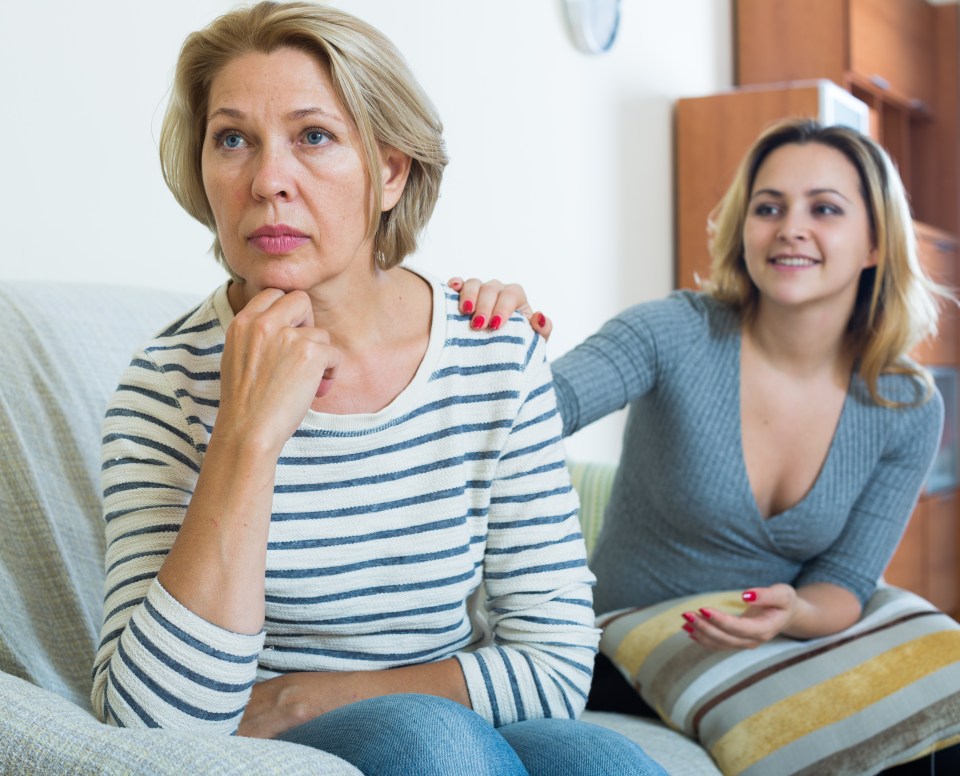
371	79
897	303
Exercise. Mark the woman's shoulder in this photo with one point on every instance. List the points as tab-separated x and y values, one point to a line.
918	409
179	364
513	347
203	322
183	350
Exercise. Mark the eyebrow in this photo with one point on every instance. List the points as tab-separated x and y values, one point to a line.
810	193
295	115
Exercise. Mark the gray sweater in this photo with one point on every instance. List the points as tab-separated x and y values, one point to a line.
682	518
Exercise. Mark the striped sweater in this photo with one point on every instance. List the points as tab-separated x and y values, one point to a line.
441	526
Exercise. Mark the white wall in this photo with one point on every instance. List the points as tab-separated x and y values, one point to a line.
561	172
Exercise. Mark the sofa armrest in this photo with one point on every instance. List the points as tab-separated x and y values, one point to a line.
593	482
40	732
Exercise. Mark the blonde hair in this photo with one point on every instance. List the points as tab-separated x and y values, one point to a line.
370	78
897	303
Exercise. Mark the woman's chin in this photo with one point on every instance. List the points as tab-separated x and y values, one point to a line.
254	283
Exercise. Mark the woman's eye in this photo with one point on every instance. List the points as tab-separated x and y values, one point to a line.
766	210
827	210
229	139
315	137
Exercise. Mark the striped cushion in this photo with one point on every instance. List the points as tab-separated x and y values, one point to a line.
883	692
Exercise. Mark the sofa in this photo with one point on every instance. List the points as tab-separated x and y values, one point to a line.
63	348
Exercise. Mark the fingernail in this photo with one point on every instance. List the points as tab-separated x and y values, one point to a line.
495	322
688	628
541	320
689	617
706	614
468	306
478	322
749	596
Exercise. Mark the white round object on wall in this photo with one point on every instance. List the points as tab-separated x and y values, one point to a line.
593	23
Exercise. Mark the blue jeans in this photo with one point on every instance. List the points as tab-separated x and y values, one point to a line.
400	735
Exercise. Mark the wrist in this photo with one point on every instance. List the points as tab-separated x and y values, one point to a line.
294	701
244	438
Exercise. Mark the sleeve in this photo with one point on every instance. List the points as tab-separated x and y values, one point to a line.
158	664
621	361
538	585
857	559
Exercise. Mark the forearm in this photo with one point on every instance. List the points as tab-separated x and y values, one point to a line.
160	663
443	678
822	609
293	699
217	565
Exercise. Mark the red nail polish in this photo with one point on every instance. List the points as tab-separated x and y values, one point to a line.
688	628
495	322
689	617
706	614
478	322
749	596
541	320
468	306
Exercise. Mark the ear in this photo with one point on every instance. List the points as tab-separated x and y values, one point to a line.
394	171
871	260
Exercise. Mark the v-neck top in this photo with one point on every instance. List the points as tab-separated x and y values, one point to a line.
682	518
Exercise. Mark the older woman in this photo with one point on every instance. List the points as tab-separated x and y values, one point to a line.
308	477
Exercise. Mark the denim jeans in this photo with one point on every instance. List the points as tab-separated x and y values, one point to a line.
400	735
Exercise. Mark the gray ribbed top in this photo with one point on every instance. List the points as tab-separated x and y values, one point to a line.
682	517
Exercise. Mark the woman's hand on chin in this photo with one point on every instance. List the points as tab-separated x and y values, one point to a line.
275	362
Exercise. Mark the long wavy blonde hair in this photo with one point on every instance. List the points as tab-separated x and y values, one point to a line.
897	304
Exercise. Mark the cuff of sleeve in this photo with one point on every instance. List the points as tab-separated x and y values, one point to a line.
173	669
479	687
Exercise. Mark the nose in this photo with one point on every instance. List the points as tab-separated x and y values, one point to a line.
793	227
273	176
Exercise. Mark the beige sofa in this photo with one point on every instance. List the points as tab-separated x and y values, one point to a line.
63	348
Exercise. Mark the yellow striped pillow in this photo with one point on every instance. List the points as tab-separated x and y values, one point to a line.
883	692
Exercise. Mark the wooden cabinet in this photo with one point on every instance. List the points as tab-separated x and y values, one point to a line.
898	56
892	48
907	568
941	559
882	45
940	257
927	557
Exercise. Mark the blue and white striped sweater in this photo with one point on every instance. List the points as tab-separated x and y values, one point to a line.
384	526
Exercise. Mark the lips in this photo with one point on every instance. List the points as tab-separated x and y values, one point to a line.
277	238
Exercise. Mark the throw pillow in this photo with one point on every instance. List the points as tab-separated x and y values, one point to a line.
882	692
